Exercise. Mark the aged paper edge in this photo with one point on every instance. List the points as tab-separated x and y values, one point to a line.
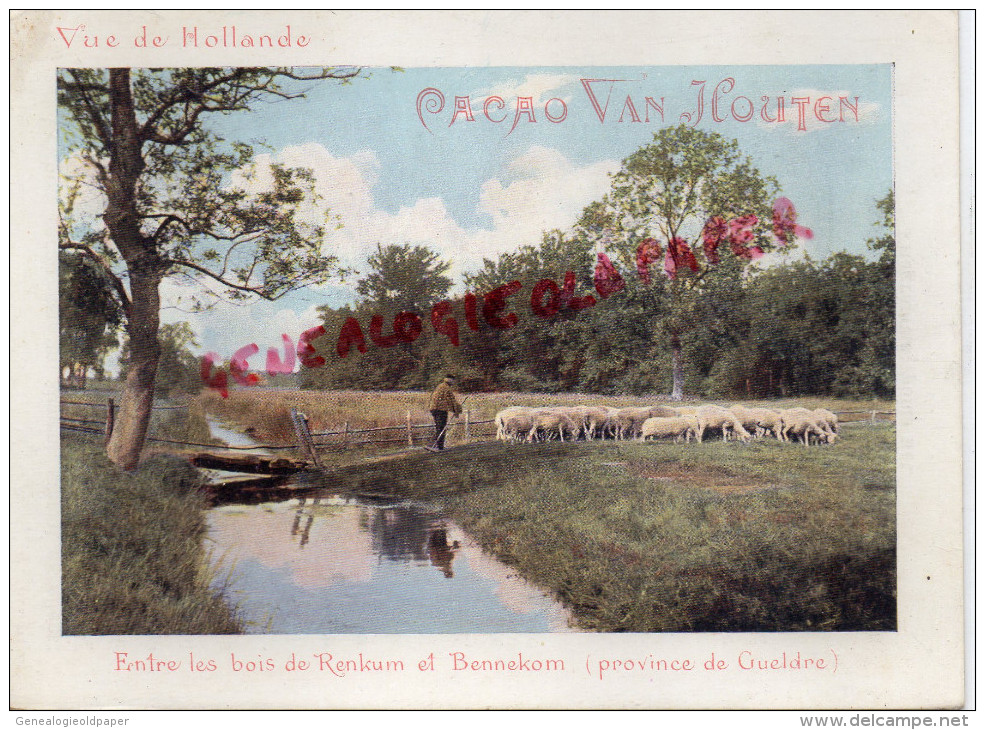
921	665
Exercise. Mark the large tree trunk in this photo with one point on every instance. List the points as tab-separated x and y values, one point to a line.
145	270
134	410
677	367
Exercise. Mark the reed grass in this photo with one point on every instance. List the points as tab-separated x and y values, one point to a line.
266	411
132	548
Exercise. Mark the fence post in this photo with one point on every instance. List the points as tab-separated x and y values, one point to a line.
410	434
110	419
303	432
468	429
873	417
302	446
345	435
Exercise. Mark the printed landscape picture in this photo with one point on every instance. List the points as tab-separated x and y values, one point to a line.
360	350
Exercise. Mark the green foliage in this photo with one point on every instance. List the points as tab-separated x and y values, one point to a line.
804	327
538	353
817	327
132	560
886	243
89	316
178	369
404	278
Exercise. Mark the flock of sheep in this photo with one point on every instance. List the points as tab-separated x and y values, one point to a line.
520	423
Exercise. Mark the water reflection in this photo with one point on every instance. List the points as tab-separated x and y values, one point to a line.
398	533
334	565
441	553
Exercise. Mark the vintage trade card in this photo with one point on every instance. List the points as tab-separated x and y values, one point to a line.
521	360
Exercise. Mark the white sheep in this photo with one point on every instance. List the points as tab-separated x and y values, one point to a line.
550	422
800	422
678	427
758	420
716	417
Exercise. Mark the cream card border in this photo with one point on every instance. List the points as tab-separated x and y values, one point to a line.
921	665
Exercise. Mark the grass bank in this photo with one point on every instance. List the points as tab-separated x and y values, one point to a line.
266	411
644	537
132	553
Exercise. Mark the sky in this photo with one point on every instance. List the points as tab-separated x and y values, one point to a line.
398	160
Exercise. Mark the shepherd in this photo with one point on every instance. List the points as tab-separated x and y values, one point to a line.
442	401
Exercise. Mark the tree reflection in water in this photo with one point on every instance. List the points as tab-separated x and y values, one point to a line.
398	533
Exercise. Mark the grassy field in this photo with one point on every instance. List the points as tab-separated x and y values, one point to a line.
647	537
266	412
133	558
634	537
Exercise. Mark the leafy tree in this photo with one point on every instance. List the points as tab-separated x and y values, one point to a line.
404	278
178	369
88	317
403	282
692	204
179	200
816	327
618	349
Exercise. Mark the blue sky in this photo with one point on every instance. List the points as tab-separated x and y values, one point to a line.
474	189
824	169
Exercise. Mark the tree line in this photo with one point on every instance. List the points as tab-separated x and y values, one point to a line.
803	327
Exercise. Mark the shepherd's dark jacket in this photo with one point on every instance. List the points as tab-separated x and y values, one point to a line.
443	399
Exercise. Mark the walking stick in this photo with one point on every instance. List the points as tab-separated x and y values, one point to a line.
441	433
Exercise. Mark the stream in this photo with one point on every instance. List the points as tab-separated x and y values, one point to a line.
331	564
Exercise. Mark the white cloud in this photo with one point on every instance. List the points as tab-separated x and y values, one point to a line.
539	86
538	190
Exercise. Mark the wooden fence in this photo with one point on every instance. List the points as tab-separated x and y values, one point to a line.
104	427
411	434
310	442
